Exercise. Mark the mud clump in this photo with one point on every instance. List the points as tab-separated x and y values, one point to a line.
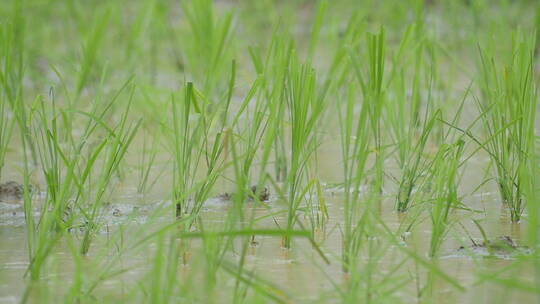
501	246
12	191
262	194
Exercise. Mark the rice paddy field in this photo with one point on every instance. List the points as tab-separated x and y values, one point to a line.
239	151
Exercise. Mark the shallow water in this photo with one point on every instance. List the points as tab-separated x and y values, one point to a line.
118	267
300	272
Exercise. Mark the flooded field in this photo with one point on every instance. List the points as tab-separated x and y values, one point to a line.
119	272
258	152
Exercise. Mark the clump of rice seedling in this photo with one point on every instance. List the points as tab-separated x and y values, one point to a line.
69	171
116	145
445	183
374	96
195	120
316	207
415	166
508	106
317	211
207	44
356	134
245	146
250	145
273	69
192	124
355	139
359	126
12	71
410	128
305	108
90	52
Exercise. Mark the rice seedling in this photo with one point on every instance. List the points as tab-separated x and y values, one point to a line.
12	33
274	68
90	53
340	132
148	160
537	28
530	175
250	149
446	199
164	285
117	145
358	127
316	209
187	148
373	93
208	43
412	117
191	147
69	179
366	284
416	166
304	108
508	106
355	148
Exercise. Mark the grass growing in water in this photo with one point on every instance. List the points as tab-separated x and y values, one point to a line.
445	183
207	44
373	93
305	107
411	115
74	194
508	105
191	125
355	148
268	121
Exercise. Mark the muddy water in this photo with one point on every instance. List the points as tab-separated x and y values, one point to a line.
300	272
